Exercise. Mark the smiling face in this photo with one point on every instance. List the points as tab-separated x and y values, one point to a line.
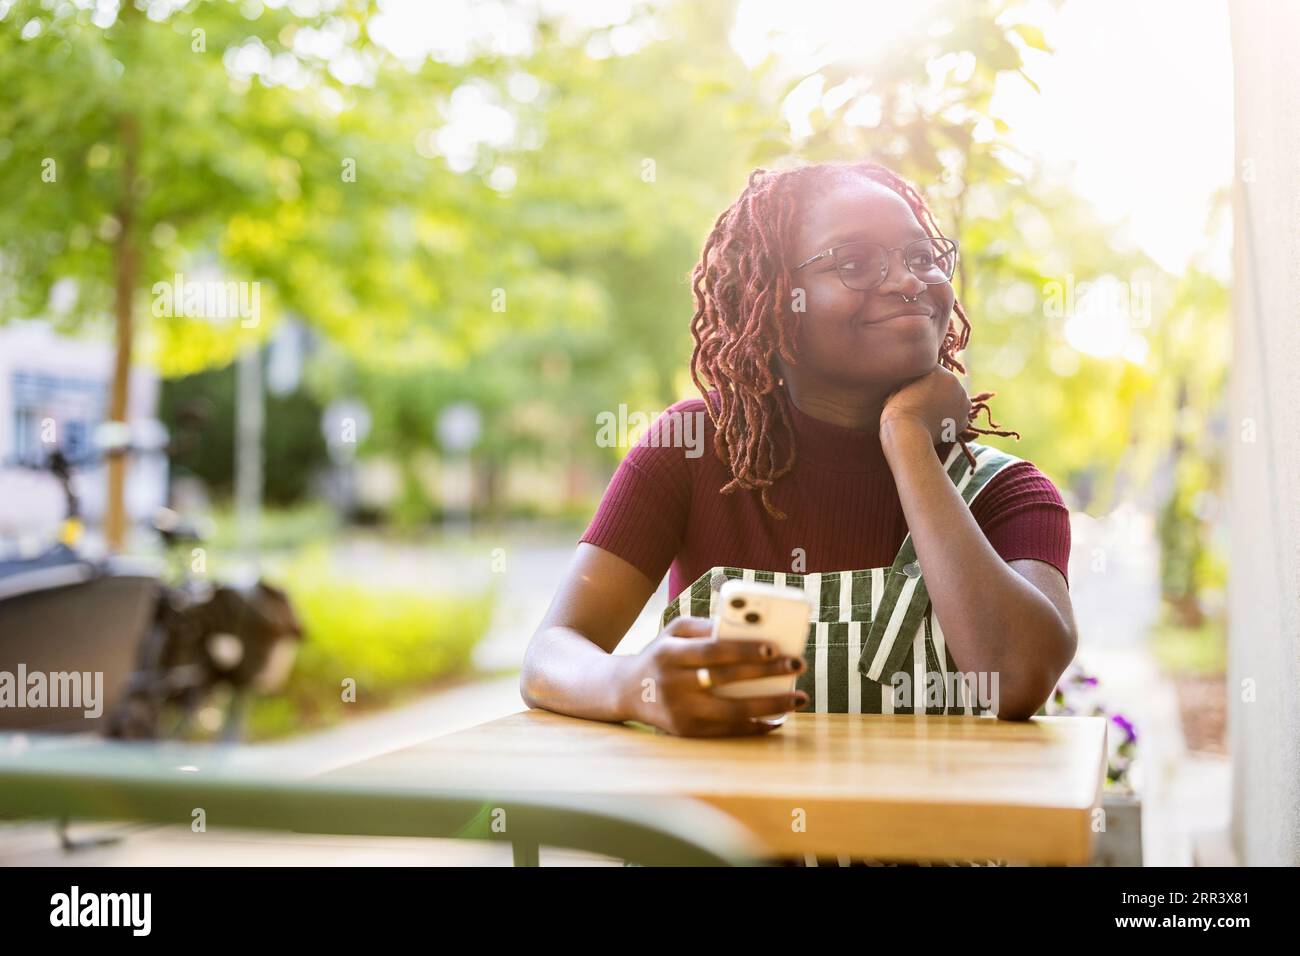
863	341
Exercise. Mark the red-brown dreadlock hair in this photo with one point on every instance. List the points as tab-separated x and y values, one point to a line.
741	286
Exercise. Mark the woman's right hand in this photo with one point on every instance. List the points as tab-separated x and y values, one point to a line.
667	692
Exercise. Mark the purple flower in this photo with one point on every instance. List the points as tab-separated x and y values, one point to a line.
1120	721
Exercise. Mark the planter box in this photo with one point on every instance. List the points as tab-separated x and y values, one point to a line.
1121	842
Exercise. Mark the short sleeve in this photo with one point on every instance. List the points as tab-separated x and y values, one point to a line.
642	515
1023	515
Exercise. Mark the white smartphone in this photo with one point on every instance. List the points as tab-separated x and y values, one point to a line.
753	611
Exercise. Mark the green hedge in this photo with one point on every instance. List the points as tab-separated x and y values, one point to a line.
391	642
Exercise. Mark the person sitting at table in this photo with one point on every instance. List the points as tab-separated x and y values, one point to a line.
826	336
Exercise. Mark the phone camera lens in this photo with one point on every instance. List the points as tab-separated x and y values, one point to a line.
753	617
738	603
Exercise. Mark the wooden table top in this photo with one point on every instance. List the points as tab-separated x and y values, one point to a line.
884	787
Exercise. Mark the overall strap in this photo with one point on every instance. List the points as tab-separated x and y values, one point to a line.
906	602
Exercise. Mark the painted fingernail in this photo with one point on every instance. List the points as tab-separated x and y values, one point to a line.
795	664
800	699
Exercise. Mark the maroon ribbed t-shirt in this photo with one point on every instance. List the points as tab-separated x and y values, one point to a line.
663	508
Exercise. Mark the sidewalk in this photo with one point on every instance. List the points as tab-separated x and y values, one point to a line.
1116	593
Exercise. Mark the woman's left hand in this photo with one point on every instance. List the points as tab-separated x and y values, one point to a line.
936	402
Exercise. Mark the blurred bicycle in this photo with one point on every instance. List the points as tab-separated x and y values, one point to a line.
168	645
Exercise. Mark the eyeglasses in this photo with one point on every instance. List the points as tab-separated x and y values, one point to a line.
864	265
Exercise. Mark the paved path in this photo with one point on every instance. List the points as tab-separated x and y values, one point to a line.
1114	577
1115	588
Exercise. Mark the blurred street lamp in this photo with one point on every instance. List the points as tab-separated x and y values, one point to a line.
250	419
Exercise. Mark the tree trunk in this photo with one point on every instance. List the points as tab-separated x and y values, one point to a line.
125	265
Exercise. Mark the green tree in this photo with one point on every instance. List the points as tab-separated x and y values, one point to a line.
173	139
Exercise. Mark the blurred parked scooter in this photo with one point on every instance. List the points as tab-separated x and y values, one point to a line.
164	648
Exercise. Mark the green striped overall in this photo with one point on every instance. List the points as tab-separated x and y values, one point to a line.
874	643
